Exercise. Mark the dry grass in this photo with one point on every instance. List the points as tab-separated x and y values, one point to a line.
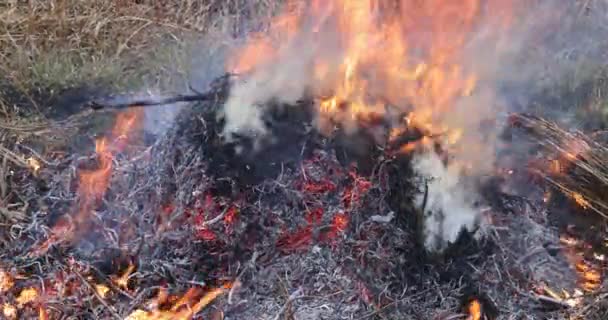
50	45
580	167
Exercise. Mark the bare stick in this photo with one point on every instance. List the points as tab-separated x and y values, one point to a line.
96	105
215	89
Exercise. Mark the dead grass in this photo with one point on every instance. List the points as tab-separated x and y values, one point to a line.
579	169
49	45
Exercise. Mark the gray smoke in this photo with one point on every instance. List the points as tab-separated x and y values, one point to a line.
545	40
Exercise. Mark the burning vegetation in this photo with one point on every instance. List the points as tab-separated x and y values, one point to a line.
356	159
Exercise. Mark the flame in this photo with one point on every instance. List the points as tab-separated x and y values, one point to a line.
368	57
556	167
590	276
474	310
9	311
93	183
184	308
42	314
123	280
6	281
26	296
580	200
102	290
34	164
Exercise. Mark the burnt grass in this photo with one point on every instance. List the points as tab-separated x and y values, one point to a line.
307	227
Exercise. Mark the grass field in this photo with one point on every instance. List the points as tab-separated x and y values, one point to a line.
47	46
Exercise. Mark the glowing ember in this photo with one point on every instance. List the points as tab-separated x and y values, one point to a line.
474	310
340	222
206	234
590	277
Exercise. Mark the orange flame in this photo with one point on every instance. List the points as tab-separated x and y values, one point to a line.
6	281
590	276
26	296
94	183
367	56
474	310
123	280
184	308
42	314
580	200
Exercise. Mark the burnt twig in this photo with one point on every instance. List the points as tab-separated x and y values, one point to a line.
217	88
150	102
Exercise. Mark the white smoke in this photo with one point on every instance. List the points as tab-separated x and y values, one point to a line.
518	56
447	205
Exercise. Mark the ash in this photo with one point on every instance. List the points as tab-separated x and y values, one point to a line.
300	234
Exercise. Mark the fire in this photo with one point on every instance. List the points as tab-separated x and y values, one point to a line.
26	296
474	310
9	311
123	280
102	290
42	314
368	57
580	200
34	164
6	281
590	276
93	183
183	308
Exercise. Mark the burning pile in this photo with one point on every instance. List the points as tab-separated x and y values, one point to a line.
369	73
344	169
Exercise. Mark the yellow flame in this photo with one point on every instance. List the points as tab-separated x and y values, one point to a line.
26	296
377	64
9	311
102	290
123	280
34	164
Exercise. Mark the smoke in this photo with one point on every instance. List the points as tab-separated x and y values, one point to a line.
419	57
448	206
